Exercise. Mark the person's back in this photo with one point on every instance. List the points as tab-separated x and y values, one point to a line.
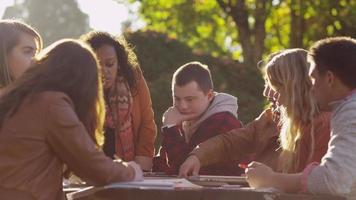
26	159
197	115
48	118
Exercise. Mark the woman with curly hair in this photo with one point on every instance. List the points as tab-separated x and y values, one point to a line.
130	129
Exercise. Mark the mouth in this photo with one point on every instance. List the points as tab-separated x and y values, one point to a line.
185	112
271	99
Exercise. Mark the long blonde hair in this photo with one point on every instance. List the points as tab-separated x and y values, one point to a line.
287	73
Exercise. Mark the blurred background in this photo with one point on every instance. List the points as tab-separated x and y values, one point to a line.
230	36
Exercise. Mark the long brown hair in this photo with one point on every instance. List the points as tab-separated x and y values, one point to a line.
67	66
127	60
10	32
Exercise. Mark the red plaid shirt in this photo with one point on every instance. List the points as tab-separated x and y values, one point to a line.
175	150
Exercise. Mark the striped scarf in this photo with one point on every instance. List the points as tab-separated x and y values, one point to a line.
118	118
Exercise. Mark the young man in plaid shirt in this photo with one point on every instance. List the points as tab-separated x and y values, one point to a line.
198	113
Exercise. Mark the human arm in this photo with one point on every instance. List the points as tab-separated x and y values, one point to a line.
69	140
219	123
336	173
237	143
146	133
259	175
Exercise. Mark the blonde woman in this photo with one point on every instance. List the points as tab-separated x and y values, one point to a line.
303	132
287	136
333	71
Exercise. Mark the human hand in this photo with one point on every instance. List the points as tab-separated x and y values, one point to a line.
173	116
259	175
138	173
191	166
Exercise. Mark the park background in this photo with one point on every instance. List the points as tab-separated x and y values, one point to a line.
230	36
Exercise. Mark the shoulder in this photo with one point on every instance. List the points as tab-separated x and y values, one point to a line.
222	117
53	102
51	97
345	112
45	100
138	73
221	95
59	107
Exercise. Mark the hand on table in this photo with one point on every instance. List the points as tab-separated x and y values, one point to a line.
191	166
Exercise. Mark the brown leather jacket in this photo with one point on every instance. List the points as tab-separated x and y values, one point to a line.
38	139
258	141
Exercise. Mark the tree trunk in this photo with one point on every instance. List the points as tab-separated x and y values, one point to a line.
251	36
297	24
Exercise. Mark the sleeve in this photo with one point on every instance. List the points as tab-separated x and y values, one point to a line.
147	131
175	148
70	141
336	174
160	162
233	145
217	124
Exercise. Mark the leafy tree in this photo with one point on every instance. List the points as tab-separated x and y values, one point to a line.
248	29
54	19
228	28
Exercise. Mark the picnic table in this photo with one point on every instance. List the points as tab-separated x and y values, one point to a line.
186	192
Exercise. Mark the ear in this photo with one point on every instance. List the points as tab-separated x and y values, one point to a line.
210	95
330	78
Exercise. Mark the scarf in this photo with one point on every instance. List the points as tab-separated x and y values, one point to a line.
118	118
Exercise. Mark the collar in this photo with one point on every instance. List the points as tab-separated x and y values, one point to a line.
336	103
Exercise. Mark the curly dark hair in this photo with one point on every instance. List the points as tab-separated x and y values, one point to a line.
127	59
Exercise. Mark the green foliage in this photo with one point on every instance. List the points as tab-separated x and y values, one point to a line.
55	19
160	56
204	25
200	25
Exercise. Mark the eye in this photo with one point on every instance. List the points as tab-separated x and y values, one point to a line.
189	99
109	65
30	52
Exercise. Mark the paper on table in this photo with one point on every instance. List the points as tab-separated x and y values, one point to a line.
224	179
173	183
147	183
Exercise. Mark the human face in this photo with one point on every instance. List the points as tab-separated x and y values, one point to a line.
20	56
109	64
321	88
190	99
269	93
272	96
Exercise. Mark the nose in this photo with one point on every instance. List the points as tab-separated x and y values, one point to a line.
269	93
266	91
182	106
